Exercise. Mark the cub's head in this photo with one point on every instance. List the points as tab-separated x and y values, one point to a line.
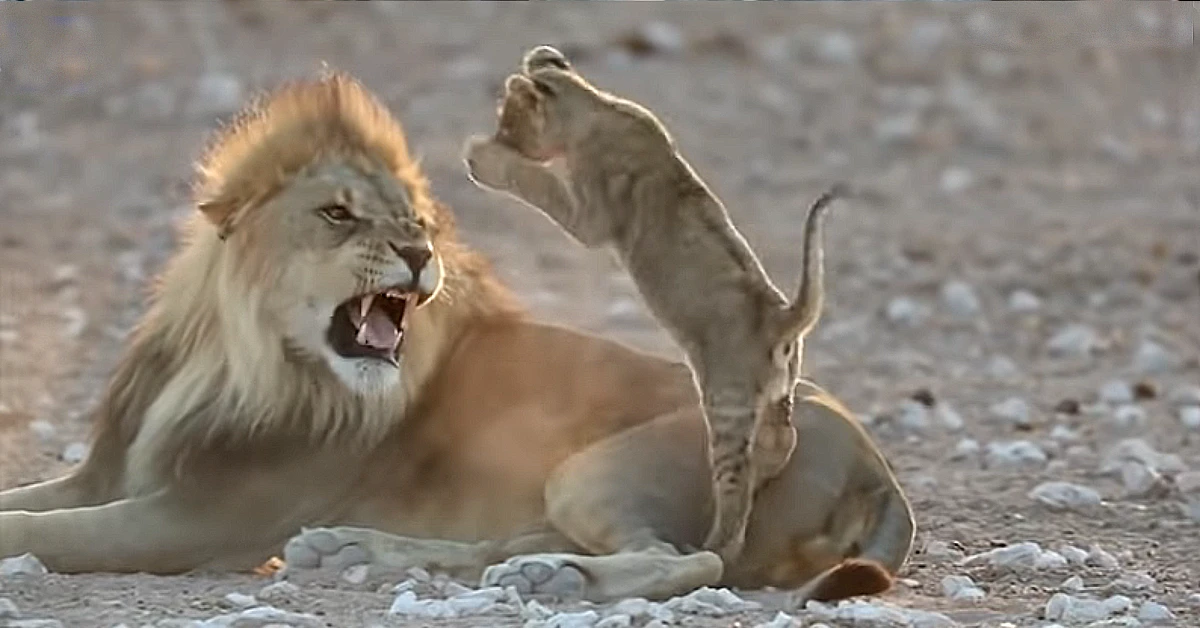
328	237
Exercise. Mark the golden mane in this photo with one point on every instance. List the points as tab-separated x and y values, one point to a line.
222	375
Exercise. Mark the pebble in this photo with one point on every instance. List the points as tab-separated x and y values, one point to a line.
1016	557
33	623
1116	391
941	552
898	128
1065	496
912	416
1128	416
1014	454
615	621
1064	434
1070	609
949	417
578	619
961	588
862	613
1155	612
906	311
1152	357
956	179
1024	301
960	299
43	429
1099	557
1133	582
781	620
837	47
1002	367
356	574
1189	416
240	600
1140	480
966	448
710	602
1014	411
8	609
1073	340
22	565
1074	583
75	453
663	36
215	94
1188	482
1138	450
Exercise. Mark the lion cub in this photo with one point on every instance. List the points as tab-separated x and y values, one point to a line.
627	188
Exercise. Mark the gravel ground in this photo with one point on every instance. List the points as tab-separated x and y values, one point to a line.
1014	302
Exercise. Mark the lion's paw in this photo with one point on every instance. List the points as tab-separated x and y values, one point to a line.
327	548
538	574
487	162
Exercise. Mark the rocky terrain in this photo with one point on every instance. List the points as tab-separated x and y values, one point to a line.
1014	300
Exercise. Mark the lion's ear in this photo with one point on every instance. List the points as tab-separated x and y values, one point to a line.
223	213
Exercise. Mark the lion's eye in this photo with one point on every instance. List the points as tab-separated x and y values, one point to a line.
336	213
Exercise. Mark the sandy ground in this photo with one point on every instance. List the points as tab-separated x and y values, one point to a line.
1048	149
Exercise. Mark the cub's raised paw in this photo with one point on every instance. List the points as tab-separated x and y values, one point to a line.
327	548
544	56
550	575
487	162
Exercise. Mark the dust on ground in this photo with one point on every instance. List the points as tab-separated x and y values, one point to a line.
1052	150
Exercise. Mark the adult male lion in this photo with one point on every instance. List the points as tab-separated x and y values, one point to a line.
322	351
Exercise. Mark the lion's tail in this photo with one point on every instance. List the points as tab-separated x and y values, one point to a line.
805	309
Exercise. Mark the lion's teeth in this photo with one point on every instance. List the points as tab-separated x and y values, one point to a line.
364	306
361	337
410	304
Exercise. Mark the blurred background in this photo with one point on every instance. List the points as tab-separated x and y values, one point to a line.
1026	169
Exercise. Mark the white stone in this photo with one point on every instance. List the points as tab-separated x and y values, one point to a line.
75	453
1155	612
1188	482
966	448
1024	301
941	552
898	128
1128	417
1099	557
8	609
1065	496
240	600
837	47
262	617
1152	357
948	417
1013	411
781	620
1014	454
710	602
1063	434
1140	480
1050	561
960	299
956	179
1133	582
663	36
961	588
43	429
356	574
407	605
906	311
1074	583
1116	391
1138	450
22	565
33	623
912	416
1116	622
1073	340
279	593
1016	557
536	611
579	619
1189	416
877	615
1074	610
1002	367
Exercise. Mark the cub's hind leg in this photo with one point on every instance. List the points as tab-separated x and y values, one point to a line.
635	502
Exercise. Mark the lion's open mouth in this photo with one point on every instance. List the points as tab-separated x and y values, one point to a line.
372	325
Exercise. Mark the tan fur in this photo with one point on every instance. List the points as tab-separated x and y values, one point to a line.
627	188
224	432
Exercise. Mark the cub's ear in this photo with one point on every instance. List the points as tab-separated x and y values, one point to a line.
222	212
545	57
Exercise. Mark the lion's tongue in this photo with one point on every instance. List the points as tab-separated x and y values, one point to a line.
378	331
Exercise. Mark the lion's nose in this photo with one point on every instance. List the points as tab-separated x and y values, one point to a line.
415	256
